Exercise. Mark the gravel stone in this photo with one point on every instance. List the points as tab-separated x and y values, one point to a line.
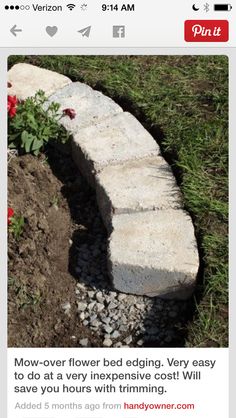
128	340
99	307
95	323
81	286
140	306
84	342
99	297
91	306
66	307
123	328
106	320
108	329
113	295
91	294
112	305
107	342
118	345
82	306
121	297
82	316
115	334
124	319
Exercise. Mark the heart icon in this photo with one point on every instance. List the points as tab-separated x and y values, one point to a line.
51	30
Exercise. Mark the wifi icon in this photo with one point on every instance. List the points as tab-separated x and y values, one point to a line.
71	6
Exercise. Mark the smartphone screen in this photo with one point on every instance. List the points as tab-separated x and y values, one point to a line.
116	123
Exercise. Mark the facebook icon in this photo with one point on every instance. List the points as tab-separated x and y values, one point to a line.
118	31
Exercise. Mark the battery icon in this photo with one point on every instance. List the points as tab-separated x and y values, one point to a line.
222	7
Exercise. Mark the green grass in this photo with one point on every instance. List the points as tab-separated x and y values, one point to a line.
183	101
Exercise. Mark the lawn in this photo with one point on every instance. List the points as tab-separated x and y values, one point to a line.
183	102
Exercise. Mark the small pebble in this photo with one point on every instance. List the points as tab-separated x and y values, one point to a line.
107	336
66	307
91	294
82	306
108	329
140	306
93	317
81	286
84	342
99	297
112	305
107	342
123	328
121	297
118	345
100	307
91	306
128	340
82	316
95	323
106	320
115	334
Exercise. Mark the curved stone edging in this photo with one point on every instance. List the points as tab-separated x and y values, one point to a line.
152	248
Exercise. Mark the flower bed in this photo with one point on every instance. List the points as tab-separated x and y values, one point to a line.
40	282
38	218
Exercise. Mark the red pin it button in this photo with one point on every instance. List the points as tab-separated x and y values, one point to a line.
206	30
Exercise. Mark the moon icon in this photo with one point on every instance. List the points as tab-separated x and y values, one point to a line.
195	8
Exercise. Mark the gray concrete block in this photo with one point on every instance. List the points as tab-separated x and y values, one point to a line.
115	140
71	90
90	106
138	185
154	254
27	80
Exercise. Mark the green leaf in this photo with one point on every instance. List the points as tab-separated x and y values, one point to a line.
32	122
27	140
37	144
12	145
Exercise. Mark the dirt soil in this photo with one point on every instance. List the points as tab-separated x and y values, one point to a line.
38	271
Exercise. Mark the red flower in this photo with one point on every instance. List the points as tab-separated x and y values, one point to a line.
12	105
10	214
70	112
